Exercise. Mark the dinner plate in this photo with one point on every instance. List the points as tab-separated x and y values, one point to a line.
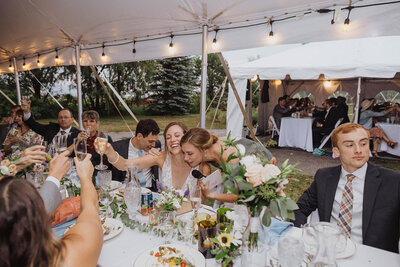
190	254
344	253
115	227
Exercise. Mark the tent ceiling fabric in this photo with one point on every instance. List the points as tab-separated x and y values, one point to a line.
28	27
368	57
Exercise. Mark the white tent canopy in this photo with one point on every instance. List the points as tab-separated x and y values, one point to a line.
369	57
32	27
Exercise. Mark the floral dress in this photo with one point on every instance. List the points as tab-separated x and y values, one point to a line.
29	138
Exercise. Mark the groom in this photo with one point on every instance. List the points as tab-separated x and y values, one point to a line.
361	198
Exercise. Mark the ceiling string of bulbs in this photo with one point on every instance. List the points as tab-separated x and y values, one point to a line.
271	36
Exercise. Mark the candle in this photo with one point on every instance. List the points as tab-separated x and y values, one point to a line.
207	243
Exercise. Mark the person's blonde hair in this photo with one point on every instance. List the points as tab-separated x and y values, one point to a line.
344	129
200	138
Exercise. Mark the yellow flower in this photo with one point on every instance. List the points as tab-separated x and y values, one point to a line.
224	239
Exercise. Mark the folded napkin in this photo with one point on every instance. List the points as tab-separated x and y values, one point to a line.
60	229
276	230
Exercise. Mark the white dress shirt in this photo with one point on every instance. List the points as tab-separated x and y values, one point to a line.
358	191
133	153
327	112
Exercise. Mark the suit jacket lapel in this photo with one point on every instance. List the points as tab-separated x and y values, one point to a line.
125	149
371	187
331	185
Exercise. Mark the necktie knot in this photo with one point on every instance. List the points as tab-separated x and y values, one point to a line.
350	177
63	132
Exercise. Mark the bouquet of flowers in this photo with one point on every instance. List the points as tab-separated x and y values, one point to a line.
259	183
226	245
7	168
171	200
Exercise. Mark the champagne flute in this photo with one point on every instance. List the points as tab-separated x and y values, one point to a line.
195	199
80	148
101	144
60	143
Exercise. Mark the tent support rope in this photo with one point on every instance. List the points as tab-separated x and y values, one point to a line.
219	101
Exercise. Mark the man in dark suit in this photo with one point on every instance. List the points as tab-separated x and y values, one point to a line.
49	131
146	138
281	110
342	109
325	123
361	198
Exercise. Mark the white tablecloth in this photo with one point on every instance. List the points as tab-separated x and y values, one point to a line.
123	250
393	132
296	133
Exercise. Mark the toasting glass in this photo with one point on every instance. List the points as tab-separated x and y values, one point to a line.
101	146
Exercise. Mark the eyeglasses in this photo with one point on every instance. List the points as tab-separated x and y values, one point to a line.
64	117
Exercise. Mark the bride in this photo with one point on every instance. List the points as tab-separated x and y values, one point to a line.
175	172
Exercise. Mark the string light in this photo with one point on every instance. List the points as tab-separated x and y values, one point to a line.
171	44
10	67
327	83
38	61
134	48
346	25
24	65
271	37
103	55
278	82
57	59
214	42
255	78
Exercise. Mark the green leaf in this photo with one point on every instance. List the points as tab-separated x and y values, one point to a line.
252	197
274	207
244	186
221	255
284	164
232	189
291	215
266	219
282	208
226	261
291	205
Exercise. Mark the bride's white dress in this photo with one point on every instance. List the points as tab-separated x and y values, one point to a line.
166	176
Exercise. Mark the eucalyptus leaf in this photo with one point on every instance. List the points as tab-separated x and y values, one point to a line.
251	198
291	205
274	207
266	219
282	208
242	185
291	215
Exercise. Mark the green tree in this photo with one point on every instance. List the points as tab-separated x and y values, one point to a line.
173	85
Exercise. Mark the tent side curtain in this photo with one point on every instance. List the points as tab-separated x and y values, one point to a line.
234	116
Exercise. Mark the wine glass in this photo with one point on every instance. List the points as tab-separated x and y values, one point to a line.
167	222
60	143
101	146
290	251
80	148
185	228
195	199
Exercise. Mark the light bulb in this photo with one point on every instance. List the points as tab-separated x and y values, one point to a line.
327	83
346	25
103	57
214	43
58	60
24	65
40	64
171	47
10	67
255	78
278	82
271	37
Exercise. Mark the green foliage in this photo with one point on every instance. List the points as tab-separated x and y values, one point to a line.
172	86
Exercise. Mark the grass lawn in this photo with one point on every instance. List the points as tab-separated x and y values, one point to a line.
116	124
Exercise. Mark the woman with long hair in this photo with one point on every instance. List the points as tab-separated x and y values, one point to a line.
175	172
27	237
201	146
376	133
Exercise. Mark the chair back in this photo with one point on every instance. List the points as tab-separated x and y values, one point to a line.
275	127
327	137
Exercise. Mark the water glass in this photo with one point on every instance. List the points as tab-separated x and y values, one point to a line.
290	252
166	222
80	148
132	195
104	178
185	228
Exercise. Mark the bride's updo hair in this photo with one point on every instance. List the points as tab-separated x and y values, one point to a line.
200	138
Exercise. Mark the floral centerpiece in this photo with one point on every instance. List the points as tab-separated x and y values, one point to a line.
7	168
226	245
171	200
259	184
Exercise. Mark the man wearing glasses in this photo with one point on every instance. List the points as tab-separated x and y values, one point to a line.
62	129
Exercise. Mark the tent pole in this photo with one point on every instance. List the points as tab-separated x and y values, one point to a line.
203	91
355	118
228	74
78	84
17	82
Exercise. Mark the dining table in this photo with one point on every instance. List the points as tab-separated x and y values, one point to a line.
125	248
296	132
393	132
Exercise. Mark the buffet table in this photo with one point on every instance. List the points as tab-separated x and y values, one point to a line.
296	132
393	132
123	250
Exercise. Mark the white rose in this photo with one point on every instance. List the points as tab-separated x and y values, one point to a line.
176	203
12	169
254	174
4	170
249	160
5	162
270	171
241	149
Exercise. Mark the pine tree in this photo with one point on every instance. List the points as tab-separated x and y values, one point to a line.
172	87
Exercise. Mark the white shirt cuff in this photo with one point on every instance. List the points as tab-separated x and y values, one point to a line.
54	180
27	116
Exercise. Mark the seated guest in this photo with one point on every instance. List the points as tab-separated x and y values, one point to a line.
175	172
27	237
91	123
146	138
342	109
20	136
7	122
49	131
376	133
325	123
361	198
281	110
